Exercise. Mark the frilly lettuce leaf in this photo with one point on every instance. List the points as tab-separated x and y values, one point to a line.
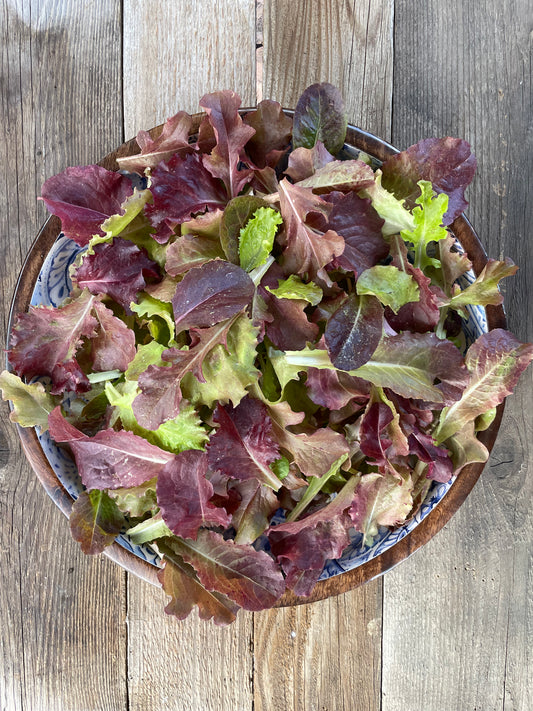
294	288
184	431
155	311
228	370
428	216
136	501
183	494
31	402
231	135
256	238
396	217
179	580
447	163
484	290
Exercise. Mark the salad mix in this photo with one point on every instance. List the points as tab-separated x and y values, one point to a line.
264	321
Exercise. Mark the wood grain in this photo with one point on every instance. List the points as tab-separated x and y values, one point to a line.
457	616
345	42
178	51
320	657
58	66
200	47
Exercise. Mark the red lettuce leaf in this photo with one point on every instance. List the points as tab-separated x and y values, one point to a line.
314	453
174	138
440	466
335	389
380	501
242	447
95	521
248	577
320	116
447	163
289	328
190	251
83	197
257	504
378	439
179	580
211	293
340	175
119	269
304	162
113	348
310	244
109	460
272	136
494	362
353	332
183	494
355	219
306	545
181	188
222	108
44	341
160	396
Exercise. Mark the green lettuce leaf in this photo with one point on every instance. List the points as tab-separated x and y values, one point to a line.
147	354
31	403
428	217
185	431
256	238
390	209
155	311
389	284
294	288
484	290
228	370
136	501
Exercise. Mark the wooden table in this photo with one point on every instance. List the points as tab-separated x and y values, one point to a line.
450	628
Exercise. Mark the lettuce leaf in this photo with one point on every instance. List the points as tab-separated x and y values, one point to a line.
31	402
256	238
95	521
320	116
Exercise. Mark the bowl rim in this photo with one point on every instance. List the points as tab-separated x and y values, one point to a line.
343	582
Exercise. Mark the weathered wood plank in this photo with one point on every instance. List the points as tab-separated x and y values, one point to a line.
177	52
200	47
320	657
308	657
63	613
457	616
185	666
347	43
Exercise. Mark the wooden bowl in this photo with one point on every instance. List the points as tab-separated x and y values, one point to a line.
337	584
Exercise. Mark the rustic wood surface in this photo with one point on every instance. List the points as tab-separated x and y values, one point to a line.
450	628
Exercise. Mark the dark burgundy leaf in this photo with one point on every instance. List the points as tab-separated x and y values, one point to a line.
83	197
211	293
119	269
183	494
181	188
289	328
242	447
335	389
440	466
355	219
353	332
161	396
273	132
447	163
320	116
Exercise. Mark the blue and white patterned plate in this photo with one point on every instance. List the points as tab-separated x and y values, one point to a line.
53	286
